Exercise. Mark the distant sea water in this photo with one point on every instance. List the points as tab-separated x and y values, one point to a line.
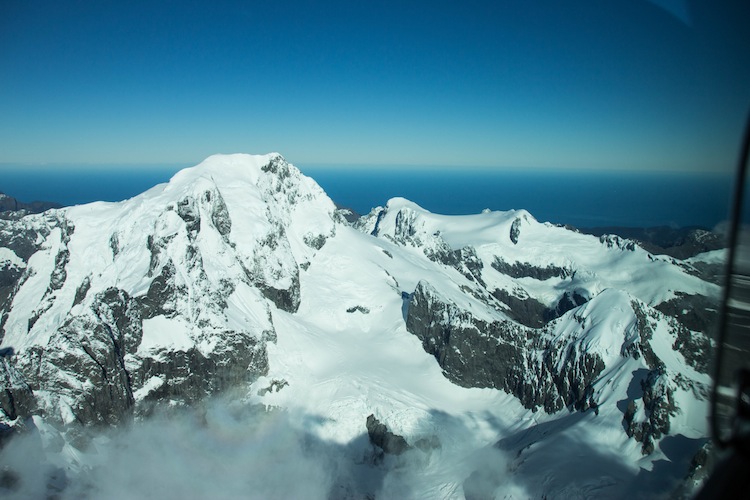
578	198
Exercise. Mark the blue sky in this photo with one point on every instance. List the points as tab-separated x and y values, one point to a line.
633	85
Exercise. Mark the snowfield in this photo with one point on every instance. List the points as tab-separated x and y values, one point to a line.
238	289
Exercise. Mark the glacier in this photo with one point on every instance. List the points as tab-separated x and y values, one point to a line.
234	316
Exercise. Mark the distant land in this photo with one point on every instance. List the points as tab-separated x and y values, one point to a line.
11	204
681	243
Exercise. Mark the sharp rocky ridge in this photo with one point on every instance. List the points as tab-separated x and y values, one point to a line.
487	331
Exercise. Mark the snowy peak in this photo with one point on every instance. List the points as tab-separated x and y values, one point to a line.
449	331
513	253
227	169
184	275
405	221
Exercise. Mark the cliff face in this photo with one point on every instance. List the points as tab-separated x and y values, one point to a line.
112	308
569	363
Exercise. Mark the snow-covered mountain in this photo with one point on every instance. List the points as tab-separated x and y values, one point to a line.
423	355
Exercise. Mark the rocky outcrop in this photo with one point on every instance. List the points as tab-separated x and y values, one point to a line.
526	270
286	299
692	318
658	406
515	231
380	436
523	308
614	241
21	239
553	367
17	399
502	355
162	295
25	236
186	377
92	367
10	276
569	300
83	366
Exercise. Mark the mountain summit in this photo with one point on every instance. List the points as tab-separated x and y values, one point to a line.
414	345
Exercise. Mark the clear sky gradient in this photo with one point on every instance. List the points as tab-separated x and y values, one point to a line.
628	84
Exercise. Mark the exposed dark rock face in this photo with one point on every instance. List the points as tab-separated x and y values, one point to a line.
275	386
657	387
645	333
84	361
370	223
694	317
16	396
10	277
347	214
694	345
466	261
114	244
405	225
695	312
361	309
93	362
701	467
219	212
515	231
82	290
614	241
380	436
87	370
277	166
189	213
161	298
188	376
315	241
59	274
502	355
659	406
544	373
711	272
287	299
123	316
569	301
24	236
524	309
525	270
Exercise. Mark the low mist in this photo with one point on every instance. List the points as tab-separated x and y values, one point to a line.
228	449
219	451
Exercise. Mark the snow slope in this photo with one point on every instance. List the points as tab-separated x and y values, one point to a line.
239	274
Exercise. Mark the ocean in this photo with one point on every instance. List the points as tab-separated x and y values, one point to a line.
578	198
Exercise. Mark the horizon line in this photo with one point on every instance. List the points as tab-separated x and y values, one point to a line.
339	165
